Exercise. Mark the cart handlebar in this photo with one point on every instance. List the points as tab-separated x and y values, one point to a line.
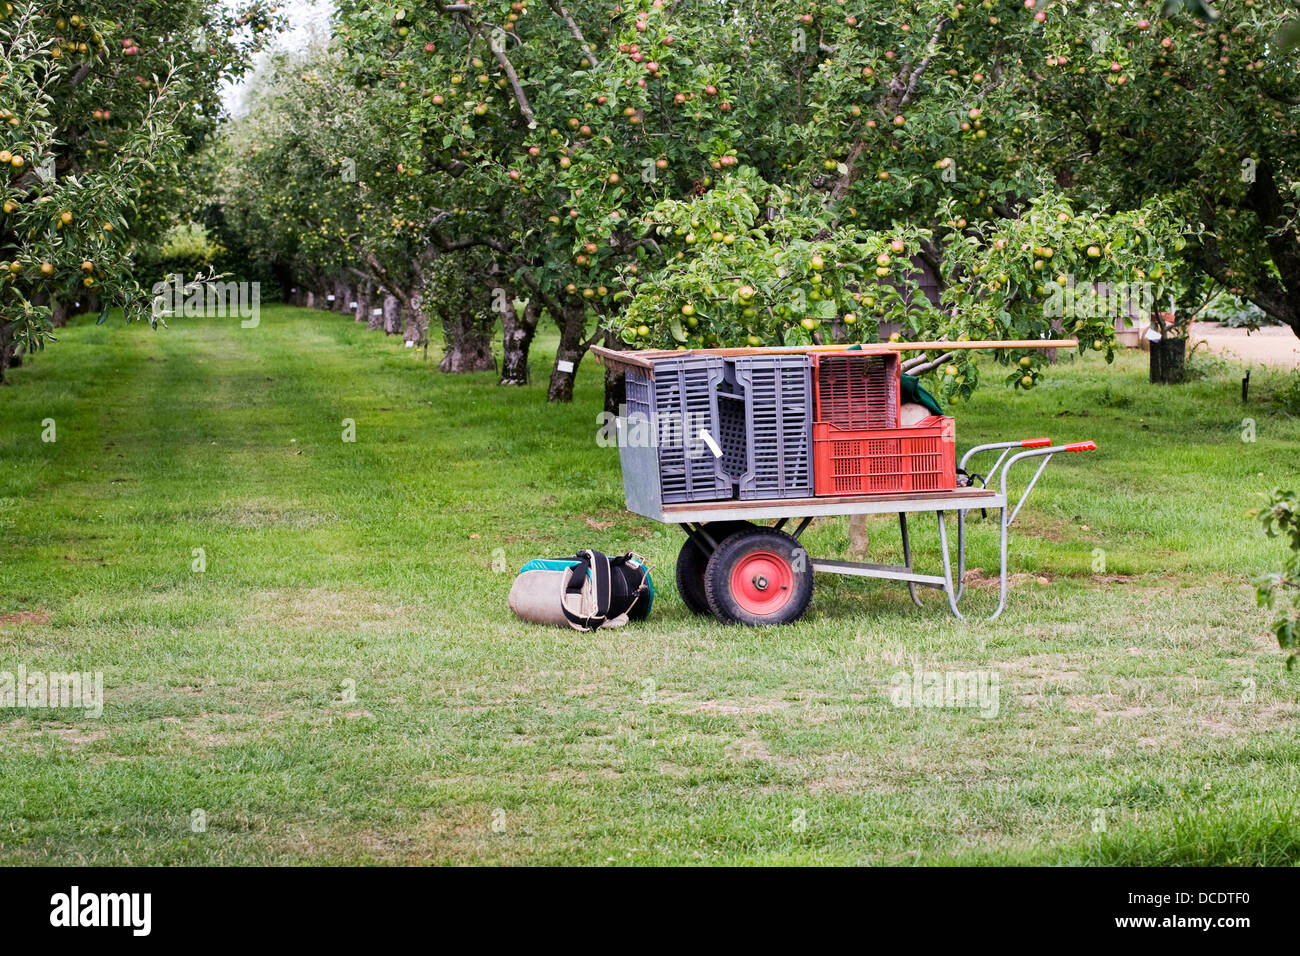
1005	447
1045	454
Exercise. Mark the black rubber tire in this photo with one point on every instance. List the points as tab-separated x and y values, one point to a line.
691	562
793	575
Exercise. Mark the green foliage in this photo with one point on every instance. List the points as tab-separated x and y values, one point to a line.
99	108
742	269
1280	590
185	250
575	148
1288	398
1130	103
1233	313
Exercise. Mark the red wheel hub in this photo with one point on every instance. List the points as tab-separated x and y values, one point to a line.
762	582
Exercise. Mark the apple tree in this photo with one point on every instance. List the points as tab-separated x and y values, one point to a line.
1201	105
98	107
900	153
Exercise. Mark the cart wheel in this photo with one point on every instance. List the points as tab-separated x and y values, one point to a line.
760	577
692	560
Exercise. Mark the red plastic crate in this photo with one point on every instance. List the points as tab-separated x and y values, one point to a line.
858	389
877	461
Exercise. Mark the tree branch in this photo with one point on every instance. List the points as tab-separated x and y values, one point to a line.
573	28
461	11
904	90
921	365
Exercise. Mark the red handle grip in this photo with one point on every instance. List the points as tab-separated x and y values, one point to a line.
1082	446
1036	443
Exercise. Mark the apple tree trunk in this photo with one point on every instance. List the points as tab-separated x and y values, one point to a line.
375	320
417	322
468	342
60	312
342	297
615	380
392	315
365	294
7	350
573	330
517	331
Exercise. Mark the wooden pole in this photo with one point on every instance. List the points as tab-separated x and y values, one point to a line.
645	358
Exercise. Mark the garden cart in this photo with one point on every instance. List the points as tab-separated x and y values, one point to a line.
744	448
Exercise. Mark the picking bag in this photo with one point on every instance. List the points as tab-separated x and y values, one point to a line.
587	591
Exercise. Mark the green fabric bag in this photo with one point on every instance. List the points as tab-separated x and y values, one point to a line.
914	392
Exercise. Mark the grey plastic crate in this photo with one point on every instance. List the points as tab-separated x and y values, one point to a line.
777	405
681	402
733	426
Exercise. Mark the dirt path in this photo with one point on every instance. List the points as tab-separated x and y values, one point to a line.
1274	345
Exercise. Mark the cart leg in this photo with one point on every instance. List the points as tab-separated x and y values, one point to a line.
961	554
947	568
907	557
1002	582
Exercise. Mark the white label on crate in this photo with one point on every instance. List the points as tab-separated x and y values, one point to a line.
564	366
376	311
713	445
1152	335
352	305
329	298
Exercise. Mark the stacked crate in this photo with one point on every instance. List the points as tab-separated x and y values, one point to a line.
777	407
859	448
727	427
768	426
679	399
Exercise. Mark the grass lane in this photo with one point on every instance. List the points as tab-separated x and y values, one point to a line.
344	682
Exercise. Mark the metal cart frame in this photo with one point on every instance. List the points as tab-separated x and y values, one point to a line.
695	518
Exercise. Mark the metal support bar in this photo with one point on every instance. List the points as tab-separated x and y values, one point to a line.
1005	447
947	568
701	537
907	557
1028	488
888	572
803	525
961	554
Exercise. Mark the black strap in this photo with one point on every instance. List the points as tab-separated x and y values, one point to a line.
972	477
598	564
630	586
616	594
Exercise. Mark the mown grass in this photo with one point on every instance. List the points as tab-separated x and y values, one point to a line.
344	682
